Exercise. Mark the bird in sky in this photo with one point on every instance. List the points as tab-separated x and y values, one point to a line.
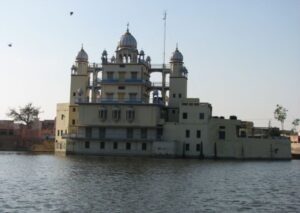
10	44
71	13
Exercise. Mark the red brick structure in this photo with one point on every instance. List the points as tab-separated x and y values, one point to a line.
15	136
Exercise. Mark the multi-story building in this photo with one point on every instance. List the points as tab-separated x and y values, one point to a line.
114	109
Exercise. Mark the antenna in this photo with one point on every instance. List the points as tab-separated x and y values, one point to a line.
165	26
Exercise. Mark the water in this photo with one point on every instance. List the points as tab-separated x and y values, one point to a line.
48	183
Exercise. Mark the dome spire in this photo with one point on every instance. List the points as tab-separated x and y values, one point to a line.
127	30
82	56
177	55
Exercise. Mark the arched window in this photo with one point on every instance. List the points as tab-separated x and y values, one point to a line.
130	114
116	114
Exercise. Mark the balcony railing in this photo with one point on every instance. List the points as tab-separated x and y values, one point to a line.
120	101
118	138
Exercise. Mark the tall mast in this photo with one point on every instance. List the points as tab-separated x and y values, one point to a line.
165	26
163	91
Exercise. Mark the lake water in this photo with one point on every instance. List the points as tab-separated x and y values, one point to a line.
48	183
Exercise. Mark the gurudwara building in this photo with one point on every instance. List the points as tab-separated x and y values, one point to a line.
115	109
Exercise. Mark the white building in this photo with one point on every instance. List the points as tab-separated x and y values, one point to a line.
115	109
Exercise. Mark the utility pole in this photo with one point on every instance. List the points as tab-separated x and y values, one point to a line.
163	91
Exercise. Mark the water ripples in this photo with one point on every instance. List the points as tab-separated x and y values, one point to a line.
47	183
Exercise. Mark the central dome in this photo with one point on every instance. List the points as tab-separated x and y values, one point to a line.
127	41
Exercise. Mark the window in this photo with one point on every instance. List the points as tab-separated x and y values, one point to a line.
184	115
121	87
62	116
110	75
179	95
173	111
201	115
198	133
174	95
115	145
128	146
187	133
187	147
159	133
73	122
130	115
222	135
102	132
61	132
87	144
144	146
144	133
122	65
121	96
133	75
116	114
74	109
58	132
132	96
129	133
102	145
121	76
74	93
110	96
10	132
198	147
88	132
103	114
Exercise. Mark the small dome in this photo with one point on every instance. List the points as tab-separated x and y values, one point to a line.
82	55
113	59
127	41
142	52
177	56
148	59
104	53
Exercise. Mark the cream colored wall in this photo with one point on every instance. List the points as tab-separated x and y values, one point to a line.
178	86
175	132
78	81
128	89
61	124
145	115
251	148
193	110
73	116
238	147
115	133
136	148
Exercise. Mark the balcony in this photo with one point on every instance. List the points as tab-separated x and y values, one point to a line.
119	101
118	138
94	67
123	81
160	68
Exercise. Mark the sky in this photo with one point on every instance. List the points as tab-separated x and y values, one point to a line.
243	56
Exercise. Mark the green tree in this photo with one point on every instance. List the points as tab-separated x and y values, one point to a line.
25	115
295	124
280	114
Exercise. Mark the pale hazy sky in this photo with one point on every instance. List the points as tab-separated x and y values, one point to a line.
243	56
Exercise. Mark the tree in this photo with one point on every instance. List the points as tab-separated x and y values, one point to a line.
280	114
295	123
26	114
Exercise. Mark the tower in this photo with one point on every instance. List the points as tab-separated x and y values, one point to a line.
125	79
79	78
178	79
